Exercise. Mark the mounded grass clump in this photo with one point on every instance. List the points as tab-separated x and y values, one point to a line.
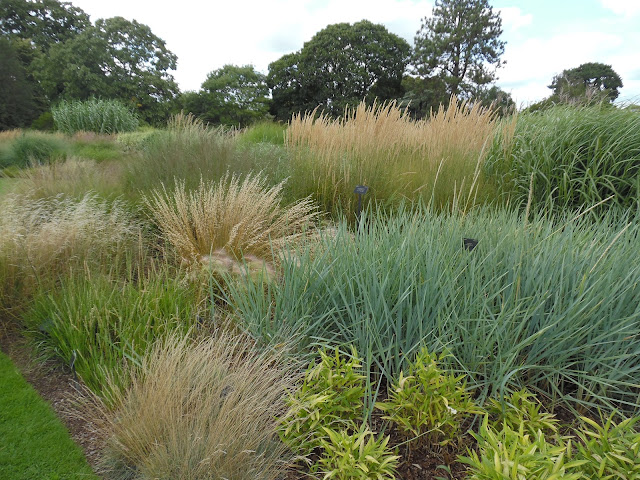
241	217
201	411
263	132
550	305
33	148
73	178
568	157
94	115
35	444
380	146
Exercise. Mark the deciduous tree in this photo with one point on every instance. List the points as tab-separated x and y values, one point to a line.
17	104
116	58
340	66
44	22
233	95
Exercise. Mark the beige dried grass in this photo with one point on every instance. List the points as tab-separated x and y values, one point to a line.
201	411
242	217
74	178
42	239
382	147
9	135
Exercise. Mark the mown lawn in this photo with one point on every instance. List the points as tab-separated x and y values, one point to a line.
33	442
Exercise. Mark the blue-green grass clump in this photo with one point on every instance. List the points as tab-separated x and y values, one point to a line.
549	305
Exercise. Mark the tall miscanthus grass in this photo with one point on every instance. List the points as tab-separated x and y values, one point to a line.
550	305
94	115
435	159
567	157
239	216
43	239
189	150
201	410
98	323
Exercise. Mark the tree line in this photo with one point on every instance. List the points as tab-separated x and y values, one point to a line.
50	51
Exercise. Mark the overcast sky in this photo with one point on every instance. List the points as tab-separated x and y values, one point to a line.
543	36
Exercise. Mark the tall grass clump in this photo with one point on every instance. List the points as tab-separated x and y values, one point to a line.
263	132
188	151
552	306
201	411
97	323
240	217
94	115
567	157
398	158
33	148
43	239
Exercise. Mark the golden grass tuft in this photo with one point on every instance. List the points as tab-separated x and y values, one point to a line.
241	217
382	147
201	411
8	135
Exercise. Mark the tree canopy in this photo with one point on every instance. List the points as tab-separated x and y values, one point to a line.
589	79
17	105
116	58
43	22
460	44
231	95
340	66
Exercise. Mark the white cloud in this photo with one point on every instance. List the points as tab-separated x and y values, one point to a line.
532	64
207	35
513	18
628	8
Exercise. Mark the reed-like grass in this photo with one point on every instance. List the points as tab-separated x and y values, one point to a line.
94	115
380	146
202	411
569	157
550	305
241	217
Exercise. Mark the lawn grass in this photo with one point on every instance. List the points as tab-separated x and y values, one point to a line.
33	441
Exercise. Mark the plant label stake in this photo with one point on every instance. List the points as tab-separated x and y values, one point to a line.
360	190
469	243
